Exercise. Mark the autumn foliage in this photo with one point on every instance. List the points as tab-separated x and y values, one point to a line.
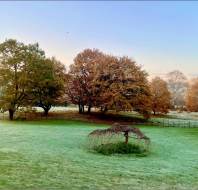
192	96
28	78
108	83
160	101
95	80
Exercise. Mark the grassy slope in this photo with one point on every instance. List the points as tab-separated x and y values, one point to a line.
51	155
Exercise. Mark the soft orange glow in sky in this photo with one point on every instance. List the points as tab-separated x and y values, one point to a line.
160	36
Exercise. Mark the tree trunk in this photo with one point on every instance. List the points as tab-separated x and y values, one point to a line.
46	111
126	134
81	108
11	114
89	109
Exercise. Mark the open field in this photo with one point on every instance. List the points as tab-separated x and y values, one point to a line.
52	155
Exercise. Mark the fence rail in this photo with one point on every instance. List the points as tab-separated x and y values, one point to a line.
175	123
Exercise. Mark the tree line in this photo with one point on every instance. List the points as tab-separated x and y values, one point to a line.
94	80
28	78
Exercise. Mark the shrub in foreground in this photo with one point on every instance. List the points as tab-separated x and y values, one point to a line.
121	148
110	141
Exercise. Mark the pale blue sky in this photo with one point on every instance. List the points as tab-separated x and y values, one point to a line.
161	36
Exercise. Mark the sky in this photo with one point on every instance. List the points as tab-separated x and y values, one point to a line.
159	35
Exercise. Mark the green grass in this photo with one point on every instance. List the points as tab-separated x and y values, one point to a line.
52	155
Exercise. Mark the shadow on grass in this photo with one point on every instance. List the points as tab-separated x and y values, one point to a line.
94	117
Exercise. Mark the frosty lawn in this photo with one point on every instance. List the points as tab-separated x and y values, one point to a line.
52	155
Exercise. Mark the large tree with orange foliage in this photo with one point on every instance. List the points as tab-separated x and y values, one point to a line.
123	86
80	78
108	82
192	96
160	96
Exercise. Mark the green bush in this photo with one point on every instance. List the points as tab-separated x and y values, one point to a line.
120	148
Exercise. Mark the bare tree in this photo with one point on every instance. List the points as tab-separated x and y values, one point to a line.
125	130
177	85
